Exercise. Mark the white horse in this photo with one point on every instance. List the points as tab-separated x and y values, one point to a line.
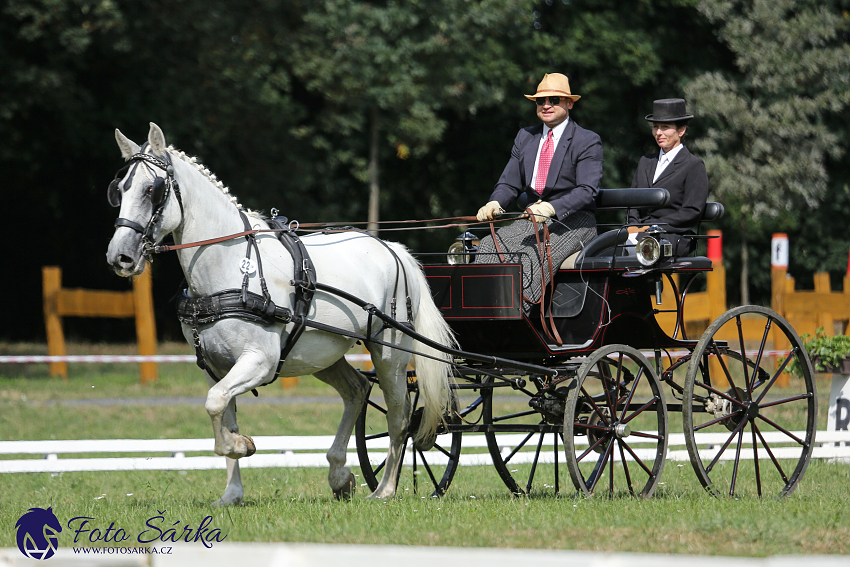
245	354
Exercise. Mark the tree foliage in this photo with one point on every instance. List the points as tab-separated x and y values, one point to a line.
293	103
768	143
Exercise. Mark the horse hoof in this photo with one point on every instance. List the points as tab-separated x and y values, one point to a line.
347	491
249	444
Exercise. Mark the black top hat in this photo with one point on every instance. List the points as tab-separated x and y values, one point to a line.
668	110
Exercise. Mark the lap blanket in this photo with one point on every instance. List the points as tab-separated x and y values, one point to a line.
519	246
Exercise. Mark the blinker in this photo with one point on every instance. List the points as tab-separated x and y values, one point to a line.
158	191
113	193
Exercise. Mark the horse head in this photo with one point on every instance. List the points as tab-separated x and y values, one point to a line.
149	199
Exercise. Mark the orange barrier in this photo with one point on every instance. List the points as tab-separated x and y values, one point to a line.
60	302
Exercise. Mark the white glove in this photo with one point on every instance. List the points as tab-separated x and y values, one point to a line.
542	210
488	211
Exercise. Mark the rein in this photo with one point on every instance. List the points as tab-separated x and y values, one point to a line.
340	226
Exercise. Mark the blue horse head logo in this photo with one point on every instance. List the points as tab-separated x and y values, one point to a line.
38	533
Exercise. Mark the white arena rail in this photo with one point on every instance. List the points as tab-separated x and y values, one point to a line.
309	451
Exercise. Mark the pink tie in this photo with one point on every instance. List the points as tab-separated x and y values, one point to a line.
543	166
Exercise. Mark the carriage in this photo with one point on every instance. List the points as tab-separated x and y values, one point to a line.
597	393
588	386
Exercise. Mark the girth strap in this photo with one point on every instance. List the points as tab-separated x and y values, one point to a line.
304	281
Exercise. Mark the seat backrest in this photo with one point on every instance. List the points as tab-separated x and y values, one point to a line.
713	212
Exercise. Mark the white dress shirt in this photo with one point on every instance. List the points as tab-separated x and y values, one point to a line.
664	160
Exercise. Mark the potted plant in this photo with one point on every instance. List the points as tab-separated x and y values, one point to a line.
828	354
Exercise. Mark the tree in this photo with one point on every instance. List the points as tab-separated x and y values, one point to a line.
386	70
769	140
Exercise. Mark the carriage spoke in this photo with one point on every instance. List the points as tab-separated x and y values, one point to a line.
377	407
626	469
589	399
534	464
756	458
647	435
767	327
785	401
600	466
428	470
782	429
779	371
377	436
557	474
769	452
717	420
726	374
519	446
641	409
737	462
591	448
631	396
725	445
637	459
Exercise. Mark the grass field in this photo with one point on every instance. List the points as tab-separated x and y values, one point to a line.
295	505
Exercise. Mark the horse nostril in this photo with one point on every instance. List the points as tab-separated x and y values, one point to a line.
125	260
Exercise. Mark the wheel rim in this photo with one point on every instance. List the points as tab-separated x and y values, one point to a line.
749	427
616	437
428	471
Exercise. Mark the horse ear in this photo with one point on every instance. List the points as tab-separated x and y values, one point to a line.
128	148
156	139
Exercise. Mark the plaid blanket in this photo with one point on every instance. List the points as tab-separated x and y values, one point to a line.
519	246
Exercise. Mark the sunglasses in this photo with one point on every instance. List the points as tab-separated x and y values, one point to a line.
553	100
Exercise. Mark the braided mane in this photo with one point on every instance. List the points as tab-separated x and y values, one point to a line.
193	161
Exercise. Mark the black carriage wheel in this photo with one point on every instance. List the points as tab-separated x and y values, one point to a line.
526	450
749	428
434	467
615	425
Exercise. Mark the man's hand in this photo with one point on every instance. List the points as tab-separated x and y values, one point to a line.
490	210
633	229
541	210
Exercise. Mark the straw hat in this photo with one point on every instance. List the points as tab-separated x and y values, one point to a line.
553	84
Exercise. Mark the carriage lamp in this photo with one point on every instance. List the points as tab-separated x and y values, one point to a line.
652	247
464	249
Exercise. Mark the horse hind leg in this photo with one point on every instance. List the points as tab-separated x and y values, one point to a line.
391	369
352	387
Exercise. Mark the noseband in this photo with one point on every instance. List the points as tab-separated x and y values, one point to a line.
159	193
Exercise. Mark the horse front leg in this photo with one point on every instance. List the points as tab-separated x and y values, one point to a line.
233	490
250	371
352	387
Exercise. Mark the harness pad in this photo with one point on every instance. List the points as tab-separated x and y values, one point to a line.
229	303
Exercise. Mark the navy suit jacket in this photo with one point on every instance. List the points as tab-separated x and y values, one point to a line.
686	180
574	174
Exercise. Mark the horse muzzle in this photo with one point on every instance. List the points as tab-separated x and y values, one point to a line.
126	252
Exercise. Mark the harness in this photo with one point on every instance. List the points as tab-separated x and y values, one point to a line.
250	306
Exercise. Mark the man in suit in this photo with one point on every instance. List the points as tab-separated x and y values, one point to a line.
677	170
556	166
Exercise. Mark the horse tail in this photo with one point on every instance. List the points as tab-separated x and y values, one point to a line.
433	367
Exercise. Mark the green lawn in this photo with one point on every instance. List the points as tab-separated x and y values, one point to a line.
296	505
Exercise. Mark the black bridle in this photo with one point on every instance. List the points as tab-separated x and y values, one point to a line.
158	192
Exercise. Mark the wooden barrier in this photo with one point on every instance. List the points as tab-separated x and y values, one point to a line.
60	302
808	310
